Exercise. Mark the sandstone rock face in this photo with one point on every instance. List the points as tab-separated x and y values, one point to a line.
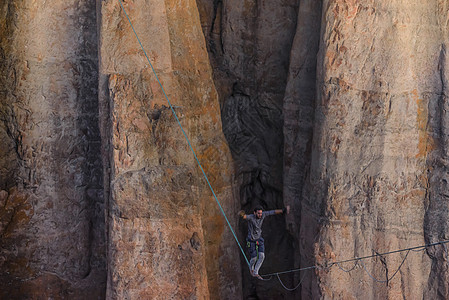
162	219
51	207
335	107
378	169
375	109
164	231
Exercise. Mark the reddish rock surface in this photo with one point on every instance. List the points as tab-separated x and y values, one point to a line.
335	107
162	218
376	180
52	214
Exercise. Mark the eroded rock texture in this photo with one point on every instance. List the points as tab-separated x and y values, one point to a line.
249	44
337	108
51	203
378	170
166	237
298	109
375	108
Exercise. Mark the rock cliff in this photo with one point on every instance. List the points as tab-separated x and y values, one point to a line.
249	44
334	107
162	219
377	173
51	205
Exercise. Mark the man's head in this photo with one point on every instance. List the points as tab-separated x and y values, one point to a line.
258	212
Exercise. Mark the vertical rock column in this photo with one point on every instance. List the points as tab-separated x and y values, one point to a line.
298	110
51	213
436	223
379	92
166	237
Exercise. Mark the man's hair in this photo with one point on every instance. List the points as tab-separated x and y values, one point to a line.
257	208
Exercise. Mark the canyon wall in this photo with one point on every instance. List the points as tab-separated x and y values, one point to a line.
162	219
335	107
378	170
51	198
249	45
363	145
131	205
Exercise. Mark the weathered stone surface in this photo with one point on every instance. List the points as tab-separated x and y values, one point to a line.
298	112
162	217
52	228
378	126
249	44
336	108
376	179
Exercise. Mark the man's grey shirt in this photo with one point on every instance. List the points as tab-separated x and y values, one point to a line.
255	224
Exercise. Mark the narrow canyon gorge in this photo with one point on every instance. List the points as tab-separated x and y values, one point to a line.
335	108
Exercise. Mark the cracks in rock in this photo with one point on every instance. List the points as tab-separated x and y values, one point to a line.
442	70
8	224
89	250
121	216
218	14
435	225
384	264
154	116
127	146
10	122
195	241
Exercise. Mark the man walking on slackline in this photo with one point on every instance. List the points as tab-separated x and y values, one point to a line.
254	239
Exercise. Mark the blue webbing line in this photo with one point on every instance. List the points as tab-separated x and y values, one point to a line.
185	135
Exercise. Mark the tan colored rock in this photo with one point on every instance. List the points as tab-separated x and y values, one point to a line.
51	220
376	181
335	107
167	238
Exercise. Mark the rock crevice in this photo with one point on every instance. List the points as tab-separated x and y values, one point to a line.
335	107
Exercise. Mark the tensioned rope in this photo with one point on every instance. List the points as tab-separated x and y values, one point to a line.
356	259
422	247
185	135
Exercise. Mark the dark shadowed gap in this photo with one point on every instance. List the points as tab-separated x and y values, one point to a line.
249	47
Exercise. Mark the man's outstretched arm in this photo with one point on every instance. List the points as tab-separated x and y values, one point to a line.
285	210
242	214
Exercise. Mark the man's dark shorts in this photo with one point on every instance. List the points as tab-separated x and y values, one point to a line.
252	247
